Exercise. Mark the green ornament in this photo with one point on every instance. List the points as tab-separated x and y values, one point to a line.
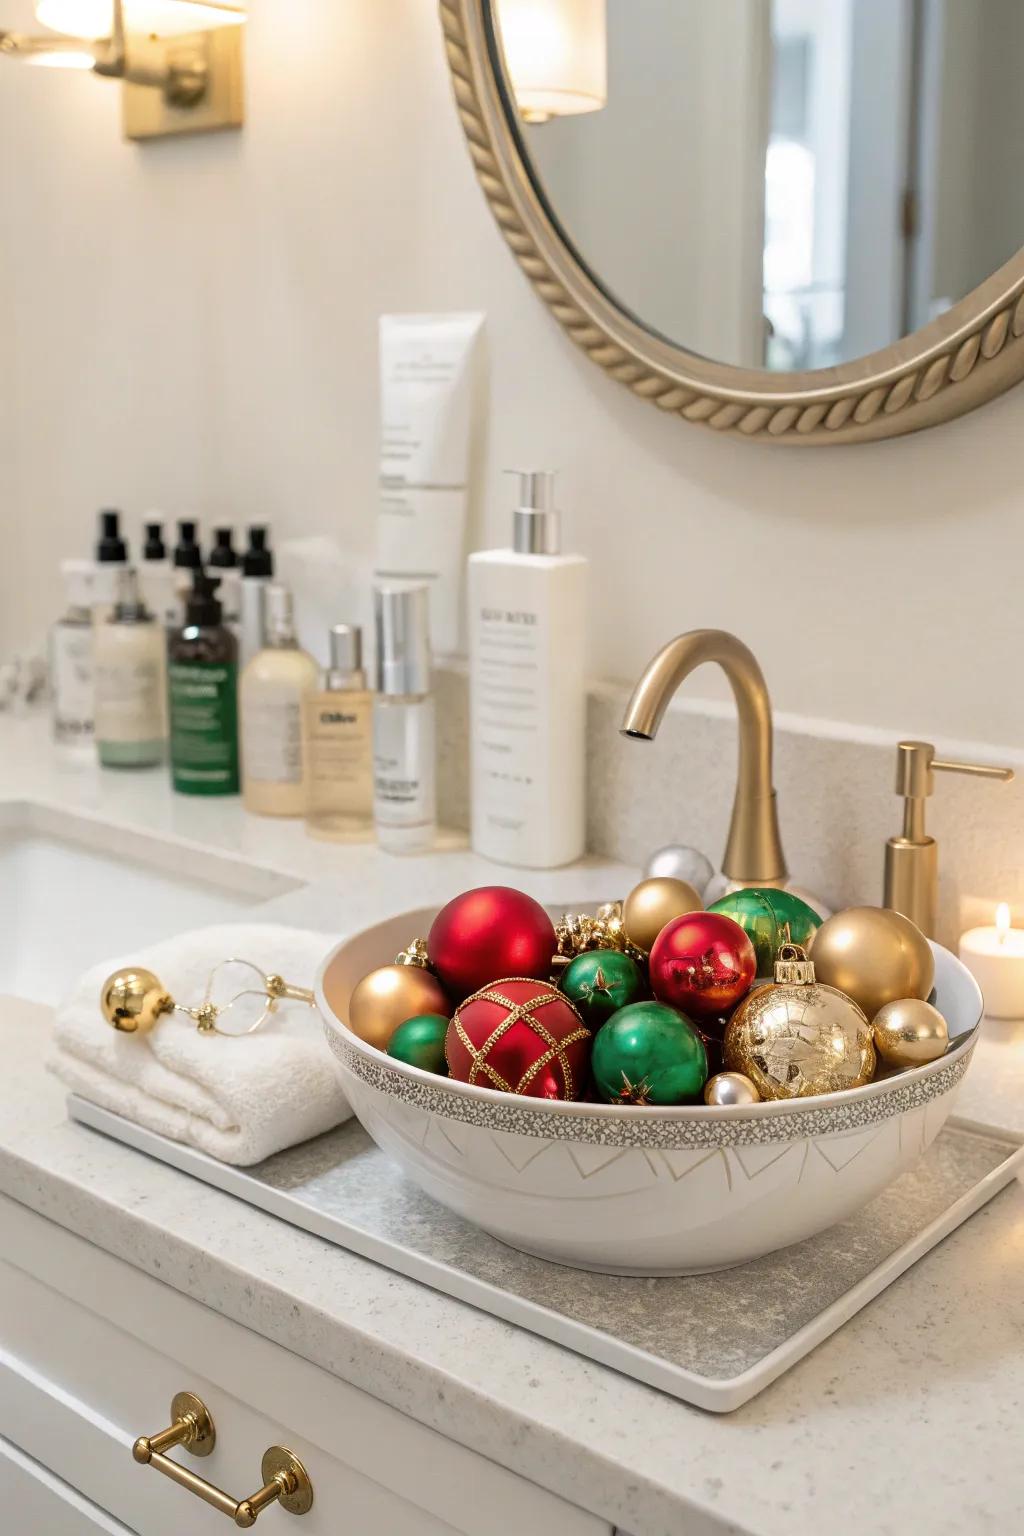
649	1053
600	982
764	914
419	1042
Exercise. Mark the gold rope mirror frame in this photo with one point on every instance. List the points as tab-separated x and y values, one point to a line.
967	356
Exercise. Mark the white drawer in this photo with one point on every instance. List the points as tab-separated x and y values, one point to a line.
93	1351
35	1503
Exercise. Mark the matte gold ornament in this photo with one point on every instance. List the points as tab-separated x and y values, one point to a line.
798	1036
727	1088
390	995
133	999
654	903
909	1032
873	955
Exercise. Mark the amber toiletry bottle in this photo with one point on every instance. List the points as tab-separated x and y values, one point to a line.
202	688
339	744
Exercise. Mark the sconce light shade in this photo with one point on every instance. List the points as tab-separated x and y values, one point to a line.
557	56
152	18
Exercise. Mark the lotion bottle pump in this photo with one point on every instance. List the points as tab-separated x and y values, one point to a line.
527	624
273	689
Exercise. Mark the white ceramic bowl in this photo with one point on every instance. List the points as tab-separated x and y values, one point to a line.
641	1191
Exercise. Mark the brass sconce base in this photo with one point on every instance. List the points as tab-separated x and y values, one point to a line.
204	89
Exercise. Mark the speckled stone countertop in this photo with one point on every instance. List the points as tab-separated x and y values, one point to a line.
905	1421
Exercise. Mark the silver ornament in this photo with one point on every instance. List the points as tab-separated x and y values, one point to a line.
677	862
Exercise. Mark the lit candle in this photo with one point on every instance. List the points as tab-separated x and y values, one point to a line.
995	958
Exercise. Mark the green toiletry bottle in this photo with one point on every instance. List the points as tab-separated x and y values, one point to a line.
202	685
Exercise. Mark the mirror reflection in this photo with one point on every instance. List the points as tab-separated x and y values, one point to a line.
781	184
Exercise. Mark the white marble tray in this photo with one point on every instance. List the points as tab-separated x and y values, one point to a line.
713	1340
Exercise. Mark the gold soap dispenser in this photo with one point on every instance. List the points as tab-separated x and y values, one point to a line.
912	859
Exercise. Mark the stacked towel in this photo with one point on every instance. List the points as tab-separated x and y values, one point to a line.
238	1100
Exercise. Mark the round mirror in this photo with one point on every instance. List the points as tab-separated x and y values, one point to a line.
798	218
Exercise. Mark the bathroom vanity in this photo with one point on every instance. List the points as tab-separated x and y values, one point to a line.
124	1282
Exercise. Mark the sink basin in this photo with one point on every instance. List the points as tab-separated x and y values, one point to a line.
73	890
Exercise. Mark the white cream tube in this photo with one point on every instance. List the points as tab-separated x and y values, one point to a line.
429	374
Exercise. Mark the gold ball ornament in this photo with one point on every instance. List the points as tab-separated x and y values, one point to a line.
133	999
729	1088
797	1036
652	904
909	1032
390	995
873	955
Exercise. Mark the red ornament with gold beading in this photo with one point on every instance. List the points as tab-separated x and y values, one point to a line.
521	1036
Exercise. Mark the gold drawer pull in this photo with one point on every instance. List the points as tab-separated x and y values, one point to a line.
285	1479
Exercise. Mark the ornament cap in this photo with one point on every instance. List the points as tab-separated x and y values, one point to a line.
792	966
414	954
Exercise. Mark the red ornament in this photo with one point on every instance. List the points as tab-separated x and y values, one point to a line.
702	963
492	931
521	1036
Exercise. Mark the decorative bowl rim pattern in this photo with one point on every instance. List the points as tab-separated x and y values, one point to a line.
687	1125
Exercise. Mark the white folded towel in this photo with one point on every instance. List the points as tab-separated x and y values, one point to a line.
239	1100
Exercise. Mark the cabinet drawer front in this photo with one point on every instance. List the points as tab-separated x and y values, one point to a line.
98	1347
35	1503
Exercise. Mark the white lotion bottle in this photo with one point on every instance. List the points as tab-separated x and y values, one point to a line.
404	744
527	629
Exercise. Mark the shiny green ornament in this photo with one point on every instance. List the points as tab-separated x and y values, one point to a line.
600	982
764	913
649	1053
419	1042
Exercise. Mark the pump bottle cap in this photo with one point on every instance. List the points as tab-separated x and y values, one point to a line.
111	549
258	559
535	522
154	548
223	552
187	553
402	625
346	648
278	616
203	608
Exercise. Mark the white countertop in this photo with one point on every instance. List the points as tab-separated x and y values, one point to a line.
906	1421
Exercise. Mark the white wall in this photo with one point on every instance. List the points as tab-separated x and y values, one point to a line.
194	325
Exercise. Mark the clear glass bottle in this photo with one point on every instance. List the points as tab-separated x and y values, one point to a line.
71	660
339	743
130	682
404	748
273	688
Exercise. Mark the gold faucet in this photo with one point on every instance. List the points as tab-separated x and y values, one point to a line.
912	860
753	850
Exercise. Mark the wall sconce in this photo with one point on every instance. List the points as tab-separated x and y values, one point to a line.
180	61
556	53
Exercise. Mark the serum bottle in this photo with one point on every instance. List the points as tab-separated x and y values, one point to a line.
202	690
339	743
128	661
527	623
404	750
274	687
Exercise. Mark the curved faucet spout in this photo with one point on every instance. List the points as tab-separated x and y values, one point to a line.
753	851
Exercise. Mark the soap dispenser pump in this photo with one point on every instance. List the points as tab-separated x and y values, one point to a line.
912	859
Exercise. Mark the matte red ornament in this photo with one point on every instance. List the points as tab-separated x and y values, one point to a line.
521	1036
702	963
491	931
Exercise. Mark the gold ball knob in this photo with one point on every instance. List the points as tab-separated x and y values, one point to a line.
730	1088
133	999
652	904
909	1032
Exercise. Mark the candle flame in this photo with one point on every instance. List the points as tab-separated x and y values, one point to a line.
1003	919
